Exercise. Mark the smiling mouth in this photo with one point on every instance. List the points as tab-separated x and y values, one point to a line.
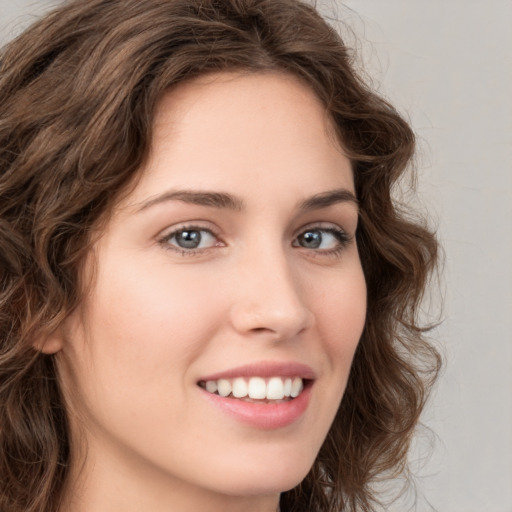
257	389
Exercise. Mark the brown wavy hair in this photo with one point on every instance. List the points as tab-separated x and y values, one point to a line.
78	92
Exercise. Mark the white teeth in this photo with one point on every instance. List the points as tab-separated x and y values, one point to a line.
211	386
275	389
240	388
297	387
224	387
288	387
257	388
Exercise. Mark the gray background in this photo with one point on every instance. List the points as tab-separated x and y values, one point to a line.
446	64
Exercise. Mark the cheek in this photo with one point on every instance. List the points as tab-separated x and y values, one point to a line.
340	310
138	336
339	304
153	311
341	315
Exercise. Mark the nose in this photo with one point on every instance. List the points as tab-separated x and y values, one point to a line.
269	301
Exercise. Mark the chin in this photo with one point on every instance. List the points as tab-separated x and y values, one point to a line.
268	478
262	487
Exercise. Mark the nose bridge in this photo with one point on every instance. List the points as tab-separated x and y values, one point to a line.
269	298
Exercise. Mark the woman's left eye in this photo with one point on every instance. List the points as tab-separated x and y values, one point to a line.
322	239
190	239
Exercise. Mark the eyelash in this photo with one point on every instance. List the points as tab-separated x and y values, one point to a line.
341	236
165	240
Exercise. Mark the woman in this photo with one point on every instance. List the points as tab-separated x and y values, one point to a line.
208	297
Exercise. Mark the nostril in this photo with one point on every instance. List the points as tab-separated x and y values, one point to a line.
277	319
266	333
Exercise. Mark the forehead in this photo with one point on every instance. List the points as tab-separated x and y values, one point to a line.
243	131
247	104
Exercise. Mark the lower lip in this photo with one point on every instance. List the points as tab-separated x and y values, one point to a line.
264	415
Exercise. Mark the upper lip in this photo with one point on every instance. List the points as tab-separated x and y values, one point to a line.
265	369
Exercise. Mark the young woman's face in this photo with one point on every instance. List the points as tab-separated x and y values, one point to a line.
232	266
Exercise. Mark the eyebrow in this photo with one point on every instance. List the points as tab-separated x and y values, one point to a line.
211	199
329	198
223	200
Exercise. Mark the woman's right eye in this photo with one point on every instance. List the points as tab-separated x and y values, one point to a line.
190	239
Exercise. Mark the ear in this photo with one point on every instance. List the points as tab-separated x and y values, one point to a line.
51	343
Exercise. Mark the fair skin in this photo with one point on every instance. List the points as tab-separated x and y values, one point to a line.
236	249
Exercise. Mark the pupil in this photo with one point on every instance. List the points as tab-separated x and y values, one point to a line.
311	239
188	239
